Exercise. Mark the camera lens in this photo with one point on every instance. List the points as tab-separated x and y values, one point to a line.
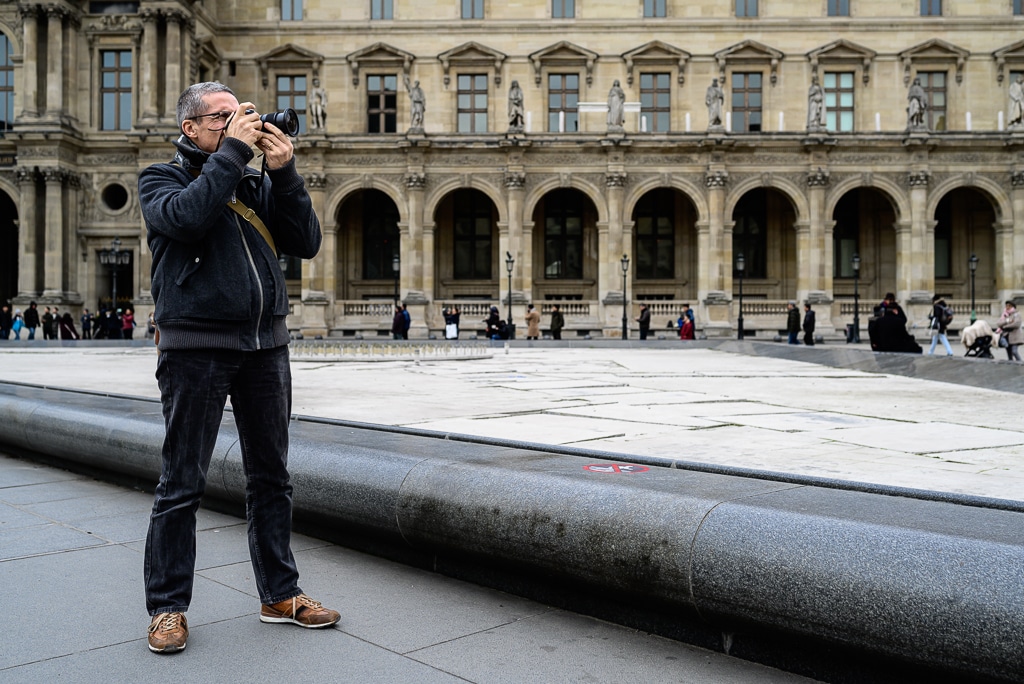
287	120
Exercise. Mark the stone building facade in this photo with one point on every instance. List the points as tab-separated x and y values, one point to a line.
517	186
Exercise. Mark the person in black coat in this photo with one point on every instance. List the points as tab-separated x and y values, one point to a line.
808	325
793	323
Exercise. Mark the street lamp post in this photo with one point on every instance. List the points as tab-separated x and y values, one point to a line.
115	258
855	261
509	263
741	265
625	300
973	263
396	266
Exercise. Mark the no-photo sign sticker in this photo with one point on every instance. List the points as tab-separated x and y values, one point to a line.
615	468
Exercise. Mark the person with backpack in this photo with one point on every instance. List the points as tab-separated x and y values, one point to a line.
940	317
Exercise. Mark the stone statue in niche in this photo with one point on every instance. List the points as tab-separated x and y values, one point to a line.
418	105
616	108
1016	118
815	106
714	99
515	108
317	107
917	105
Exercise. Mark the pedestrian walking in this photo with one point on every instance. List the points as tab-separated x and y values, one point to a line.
17	324
6	321
644	319
451	323
32	320
532	323
940	317
1010	334
808	325
86	320
793	322
557	322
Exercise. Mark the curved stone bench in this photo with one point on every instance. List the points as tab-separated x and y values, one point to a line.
932	583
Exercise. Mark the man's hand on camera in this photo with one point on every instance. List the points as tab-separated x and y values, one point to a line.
276	146
245	127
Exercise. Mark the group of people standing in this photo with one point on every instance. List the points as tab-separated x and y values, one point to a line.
107	325
794	324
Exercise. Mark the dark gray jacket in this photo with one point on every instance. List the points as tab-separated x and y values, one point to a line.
217	284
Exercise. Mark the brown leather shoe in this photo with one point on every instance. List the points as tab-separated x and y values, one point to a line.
300	610
168	633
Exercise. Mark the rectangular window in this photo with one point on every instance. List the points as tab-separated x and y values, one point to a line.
563	98
382	103
472	108
838	8
655	102
116	90
931	8
934	84
654	8
6	83
291	10
563	235
839	101
746	102
1018	7
472	9
746	8
291	92
655	235
563	9
382	9
473	236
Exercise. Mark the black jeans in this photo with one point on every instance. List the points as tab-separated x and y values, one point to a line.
194	386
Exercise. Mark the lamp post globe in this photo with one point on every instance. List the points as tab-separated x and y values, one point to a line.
624	262
396	267
741	266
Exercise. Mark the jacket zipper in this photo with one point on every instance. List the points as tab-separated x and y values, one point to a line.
256	274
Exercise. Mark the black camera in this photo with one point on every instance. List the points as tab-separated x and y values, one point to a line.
286	119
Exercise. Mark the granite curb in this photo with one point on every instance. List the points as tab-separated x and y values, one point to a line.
928	582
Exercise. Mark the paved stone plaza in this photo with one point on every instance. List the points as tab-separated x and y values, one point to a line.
69	540
692	404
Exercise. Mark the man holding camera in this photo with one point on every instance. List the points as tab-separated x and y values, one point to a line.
215	228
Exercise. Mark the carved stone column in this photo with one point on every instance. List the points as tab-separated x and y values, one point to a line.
30	77
53	254
54	61
811	282
172	77
316	314
714	263
904	260
511	238
922	242
611	249
1014	275
148	81
28	277
413	249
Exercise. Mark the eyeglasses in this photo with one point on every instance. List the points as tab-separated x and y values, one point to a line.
214	117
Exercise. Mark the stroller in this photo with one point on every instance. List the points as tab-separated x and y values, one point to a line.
982	348
977	338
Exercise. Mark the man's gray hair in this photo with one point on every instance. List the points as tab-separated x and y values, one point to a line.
191	104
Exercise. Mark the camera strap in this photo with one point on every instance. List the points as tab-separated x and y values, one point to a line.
249	215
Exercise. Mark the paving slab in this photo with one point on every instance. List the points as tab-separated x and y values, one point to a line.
399	623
